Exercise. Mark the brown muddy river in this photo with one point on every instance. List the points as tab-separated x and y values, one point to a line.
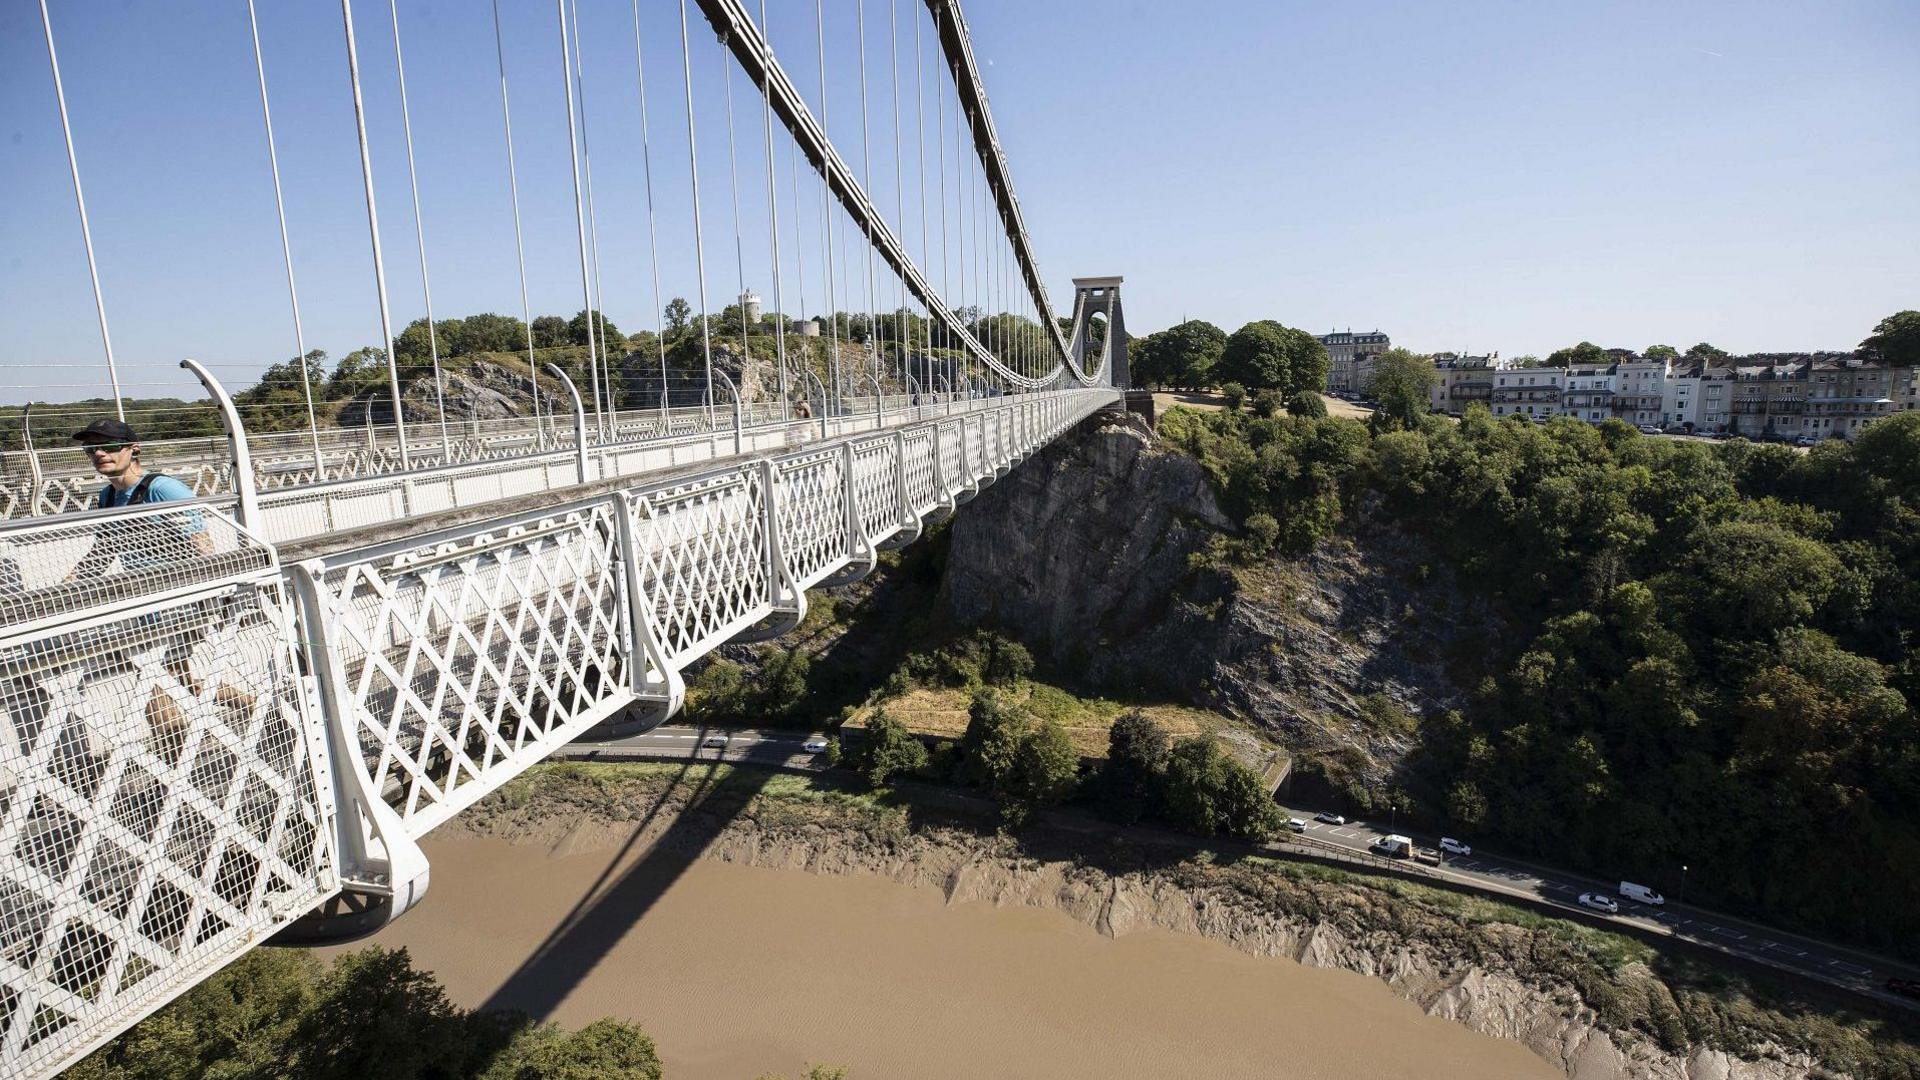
738	971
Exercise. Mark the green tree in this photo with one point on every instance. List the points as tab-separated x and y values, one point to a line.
1208	792
1403	384
1234	393
1895	340
550	332
606	1049
679	316
603	328
887	751
1185	355
1661	352
1265	354
1585	354
1129	782
375	1017
488	332
1706	353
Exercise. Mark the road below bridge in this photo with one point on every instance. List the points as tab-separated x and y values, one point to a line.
1852	969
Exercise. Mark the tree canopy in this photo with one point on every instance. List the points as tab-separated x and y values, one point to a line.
1403	385
1895	339
1267	355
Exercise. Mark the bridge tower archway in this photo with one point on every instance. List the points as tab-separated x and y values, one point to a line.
1101	296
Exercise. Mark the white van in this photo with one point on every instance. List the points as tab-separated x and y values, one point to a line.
1641	893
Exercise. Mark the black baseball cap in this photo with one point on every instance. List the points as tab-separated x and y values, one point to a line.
106	430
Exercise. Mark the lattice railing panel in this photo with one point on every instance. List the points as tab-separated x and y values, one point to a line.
702	554
952	469
465	661
874	492
811	507
163	806
922	493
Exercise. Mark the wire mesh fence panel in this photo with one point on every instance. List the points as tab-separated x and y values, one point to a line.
163	803
874	493
922	493
467	659
701	551
810	504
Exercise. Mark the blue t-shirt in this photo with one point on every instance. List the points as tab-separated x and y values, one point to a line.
160	489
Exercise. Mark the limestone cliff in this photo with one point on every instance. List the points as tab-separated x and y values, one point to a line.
1097	552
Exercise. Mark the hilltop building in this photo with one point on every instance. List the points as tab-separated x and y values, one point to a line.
1346	352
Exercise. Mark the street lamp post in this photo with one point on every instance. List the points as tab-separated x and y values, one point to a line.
1683	883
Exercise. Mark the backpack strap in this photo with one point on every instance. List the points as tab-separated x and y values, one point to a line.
139	494
136	497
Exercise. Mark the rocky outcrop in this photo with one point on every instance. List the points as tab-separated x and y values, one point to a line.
1353	929
474	390
1098	552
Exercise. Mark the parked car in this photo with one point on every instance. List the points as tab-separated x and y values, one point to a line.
1455	847
1296	824
1427	855
1904	987
714	739
1600	902
814	744
1641	893
1807	440
1651	429
1330	817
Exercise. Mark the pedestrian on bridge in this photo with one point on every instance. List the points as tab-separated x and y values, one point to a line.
114	451
149	546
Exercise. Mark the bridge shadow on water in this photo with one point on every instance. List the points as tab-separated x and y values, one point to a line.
702	801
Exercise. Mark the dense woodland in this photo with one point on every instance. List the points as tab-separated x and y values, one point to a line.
1713	661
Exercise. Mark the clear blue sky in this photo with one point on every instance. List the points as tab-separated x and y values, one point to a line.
1467	175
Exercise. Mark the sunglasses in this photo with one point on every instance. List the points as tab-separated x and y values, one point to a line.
107	447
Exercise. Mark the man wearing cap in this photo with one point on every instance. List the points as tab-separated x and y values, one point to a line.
115	452
145	546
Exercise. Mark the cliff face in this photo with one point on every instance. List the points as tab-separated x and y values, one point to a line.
1097	552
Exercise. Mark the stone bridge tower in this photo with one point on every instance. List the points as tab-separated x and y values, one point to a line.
1100	295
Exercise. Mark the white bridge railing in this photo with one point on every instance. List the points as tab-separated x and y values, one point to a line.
194	756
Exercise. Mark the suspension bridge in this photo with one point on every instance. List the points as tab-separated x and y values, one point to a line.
228	720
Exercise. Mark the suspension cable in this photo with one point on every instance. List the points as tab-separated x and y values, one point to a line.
519	242
579	206
286	247
773	227
866	159
420	234
699	242
920	170
373	228
826	214
80	200
899	181
733	187
653	236
596	314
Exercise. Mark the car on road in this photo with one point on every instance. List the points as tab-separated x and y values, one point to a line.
1427	855
814	744
1455	847
1330	817
714	739
1904	987
1651	429
1600	902
1641	893
1296	824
